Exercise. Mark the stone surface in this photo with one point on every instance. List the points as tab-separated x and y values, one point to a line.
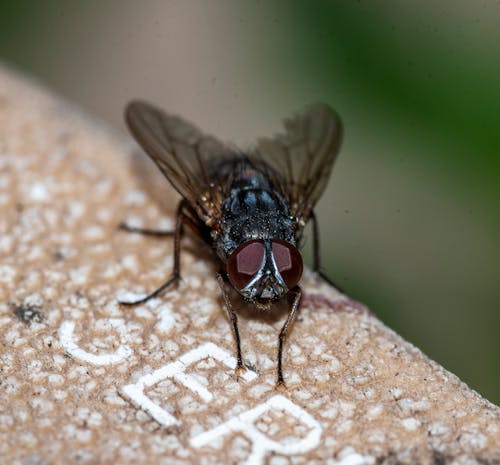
85	380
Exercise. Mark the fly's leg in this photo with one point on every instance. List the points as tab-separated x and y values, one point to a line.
146	232
292	314
316	253
316	247
240	368
181	218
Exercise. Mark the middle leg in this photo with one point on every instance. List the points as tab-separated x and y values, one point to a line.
317	255
181	218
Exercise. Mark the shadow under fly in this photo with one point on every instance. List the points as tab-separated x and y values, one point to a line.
249	207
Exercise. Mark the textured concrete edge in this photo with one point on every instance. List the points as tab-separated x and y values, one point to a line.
393	457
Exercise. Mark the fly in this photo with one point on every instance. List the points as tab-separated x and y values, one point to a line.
249	207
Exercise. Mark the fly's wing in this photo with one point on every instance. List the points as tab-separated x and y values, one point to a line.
182	153
300	161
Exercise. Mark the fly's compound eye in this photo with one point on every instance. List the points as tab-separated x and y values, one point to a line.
288	261
243	264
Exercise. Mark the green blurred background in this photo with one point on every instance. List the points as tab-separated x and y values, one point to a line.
411	219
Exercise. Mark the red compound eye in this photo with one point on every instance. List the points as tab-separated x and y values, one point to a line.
288	261
244	262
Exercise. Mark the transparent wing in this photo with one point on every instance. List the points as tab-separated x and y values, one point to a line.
301	160
182	153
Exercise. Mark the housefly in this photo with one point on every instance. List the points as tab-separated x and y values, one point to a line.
249	207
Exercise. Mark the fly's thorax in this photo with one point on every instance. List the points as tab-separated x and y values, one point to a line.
253	210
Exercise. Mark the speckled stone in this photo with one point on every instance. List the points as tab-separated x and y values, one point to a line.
356	392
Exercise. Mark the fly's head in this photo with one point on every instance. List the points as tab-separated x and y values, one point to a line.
264	270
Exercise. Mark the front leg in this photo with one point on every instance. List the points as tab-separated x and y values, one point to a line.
295	294
222	280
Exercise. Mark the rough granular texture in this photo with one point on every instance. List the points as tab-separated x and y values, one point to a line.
84	380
